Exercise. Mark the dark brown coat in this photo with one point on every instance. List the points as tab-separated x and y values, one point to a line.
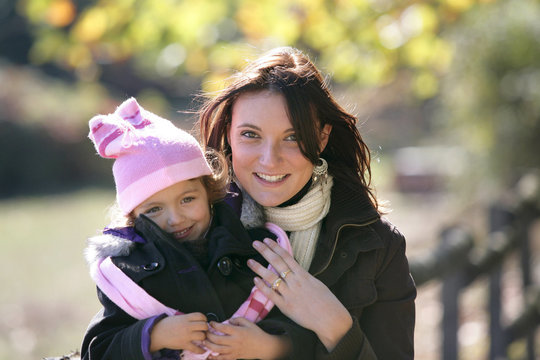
361	258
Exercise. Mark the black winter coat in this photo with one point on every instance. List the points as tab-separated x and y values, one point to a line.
361	258
170	273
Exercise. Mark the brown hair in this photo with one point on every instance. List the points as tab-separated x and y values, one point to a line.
310	106
217	183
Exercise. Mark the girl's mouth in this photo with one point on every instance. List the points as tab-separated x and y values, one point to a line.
178	235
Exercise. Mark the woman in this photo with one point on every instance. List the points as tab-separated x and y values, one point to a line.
299	161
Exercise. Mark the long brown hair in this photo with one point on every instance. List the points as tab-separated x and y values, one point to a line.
310	106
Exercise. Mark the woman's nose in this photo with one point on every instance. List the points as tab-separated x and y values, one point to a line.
270	154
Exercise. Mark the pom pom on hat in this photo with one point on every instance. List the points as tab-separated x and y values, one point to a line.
150	153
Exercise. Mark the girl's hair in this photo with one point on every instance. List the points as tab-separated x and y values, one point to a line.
215	185
289	72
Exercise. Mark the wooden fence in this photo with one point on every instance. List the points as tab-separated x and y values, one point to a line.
460	259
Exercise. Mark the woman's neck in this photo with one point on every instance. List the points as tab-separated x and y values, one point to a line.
299	195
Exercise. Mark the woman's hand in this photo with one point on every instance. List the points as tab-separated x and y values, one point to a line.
299	295
242	339
179	332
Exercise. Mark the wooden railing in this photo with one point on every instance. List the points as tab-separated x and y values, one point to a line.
460	260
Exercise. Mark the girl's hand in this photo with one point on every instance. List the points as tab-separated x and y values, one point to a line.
299	295
179	332
242	339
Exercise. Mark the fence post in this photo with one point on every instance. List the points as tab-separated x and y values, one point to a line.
527	216
499	218
451	287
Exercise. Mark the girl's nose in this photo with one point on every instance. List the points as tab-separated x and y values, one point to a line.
175	217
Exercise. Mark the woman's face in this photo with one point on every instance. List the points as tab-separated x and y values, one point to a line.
266	158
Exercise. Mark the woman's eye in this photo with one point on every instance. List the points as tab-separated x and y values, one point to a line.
291	137
249	134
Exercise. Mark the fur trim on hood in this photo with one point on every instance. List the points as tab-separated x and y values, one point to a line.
101	246
252	215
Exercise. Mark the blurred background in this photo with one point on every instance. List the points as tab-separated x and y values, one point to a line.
447	93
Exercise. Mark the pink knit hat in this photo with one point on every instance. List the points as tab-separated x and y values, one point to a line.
151	153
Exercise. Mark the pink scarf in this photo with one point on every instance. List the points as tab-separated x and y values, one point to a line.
136	302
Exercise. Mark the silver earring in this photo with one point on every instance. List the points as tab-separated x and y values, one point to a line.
320	170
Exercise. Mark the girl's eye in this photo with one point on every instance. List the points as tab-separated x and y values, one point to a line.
249	134
188	199
152	210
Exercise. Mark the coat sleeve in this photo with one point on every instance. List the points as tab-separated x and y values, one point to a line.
113	334
303	341
389	322
384	328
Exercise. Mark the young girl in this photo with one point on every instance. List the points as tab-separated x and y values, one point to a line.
177	266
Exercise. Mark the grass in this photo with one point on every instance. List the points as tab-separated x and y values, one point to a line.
48	297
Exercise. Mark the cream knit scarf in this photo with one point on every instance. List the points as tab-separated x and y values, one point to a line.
302	219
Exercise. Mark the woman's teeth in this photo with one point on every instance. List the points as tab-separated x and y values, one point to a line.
271	178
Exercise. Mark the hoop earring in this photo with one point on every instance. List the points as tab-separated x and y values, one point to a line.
320	170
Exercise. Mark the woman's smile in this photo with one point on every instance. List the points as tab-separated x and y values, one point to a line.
266	157
271	178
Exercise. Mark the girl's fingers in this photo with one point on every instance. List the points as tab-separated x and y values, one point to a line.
201	326
213	343
194	348
222	328
198	335
240	321
196	316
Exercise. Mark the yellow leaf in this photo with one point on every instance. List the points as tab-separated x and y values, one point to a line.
61	13
92	26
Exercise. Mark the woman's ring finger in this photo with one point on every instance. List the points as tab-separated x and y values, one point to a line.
276	283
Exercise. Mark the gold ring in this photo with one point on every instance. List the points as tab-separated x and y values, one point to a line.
284	274
276	283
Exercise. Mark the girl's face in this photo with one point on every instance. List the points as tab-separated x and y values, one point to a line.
181	210
266	158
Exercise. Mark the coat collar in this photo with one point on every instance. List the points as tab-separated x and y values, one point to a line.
350	210
228	235
349	206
